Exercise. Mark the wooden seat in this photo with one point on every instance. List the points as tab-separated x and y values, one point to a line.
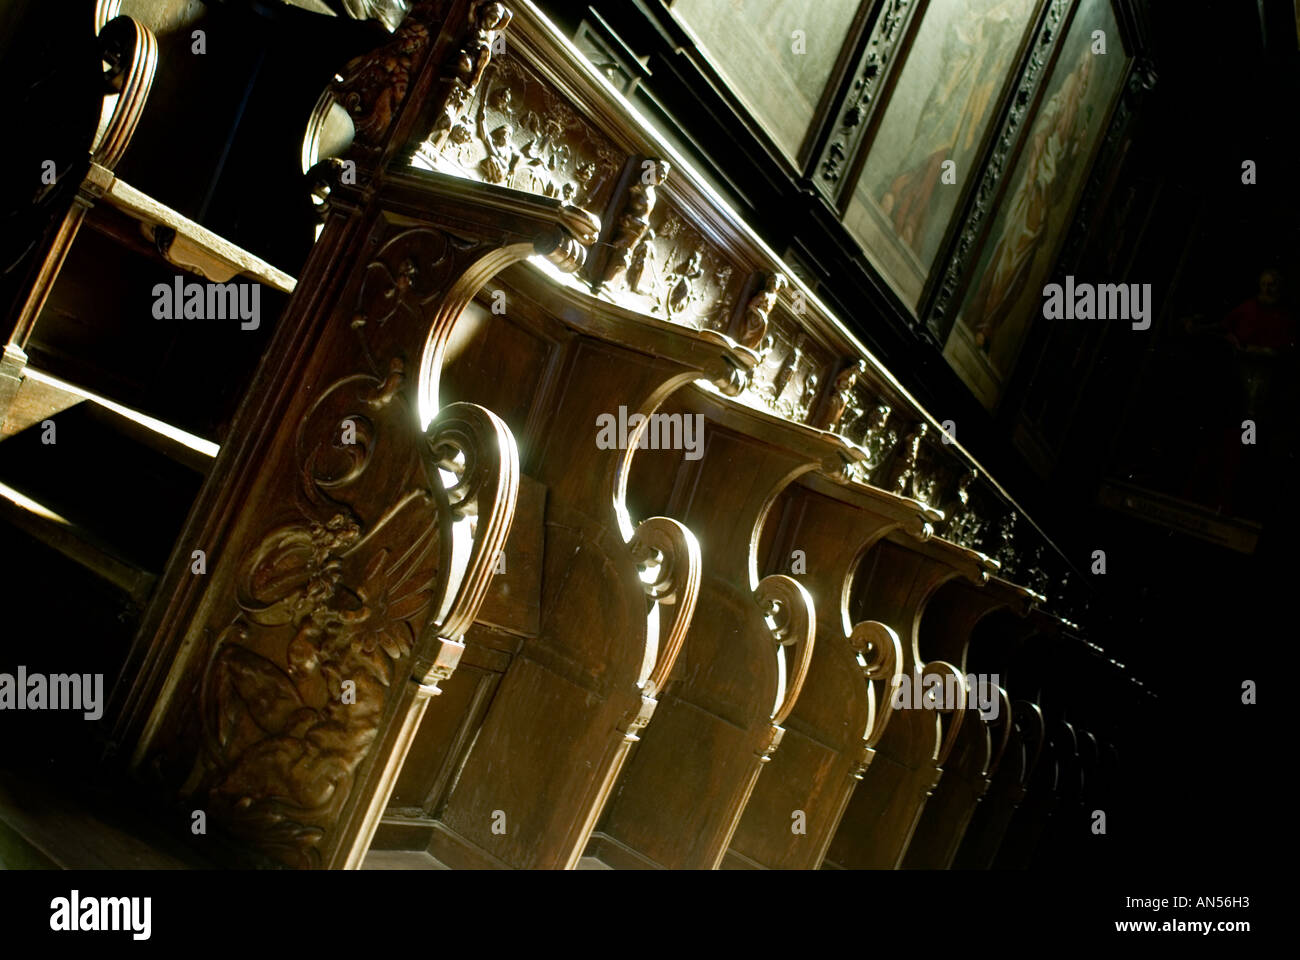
846	704
896	584
743	665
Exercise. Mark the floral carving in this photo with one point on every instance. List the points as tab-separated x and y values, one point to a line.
885	34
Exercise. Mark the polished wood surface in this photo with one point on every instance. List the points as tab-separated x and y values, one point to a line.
563	525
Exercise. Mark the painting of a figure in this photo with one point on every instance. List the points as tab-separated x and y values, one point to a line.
1006	286
947	94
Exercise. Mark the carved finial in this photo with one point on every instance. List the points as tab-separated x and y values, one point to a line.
759	309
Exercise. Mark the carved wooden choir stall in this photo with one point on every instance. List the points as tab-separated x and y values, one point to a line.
563	526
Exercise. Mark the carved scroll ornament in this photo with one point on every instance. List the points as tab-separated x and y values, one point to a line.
945	676
668	556
880	654
791	616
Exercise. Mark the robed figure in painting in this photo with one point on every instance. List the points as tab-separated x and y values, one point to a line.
1059	141
975	53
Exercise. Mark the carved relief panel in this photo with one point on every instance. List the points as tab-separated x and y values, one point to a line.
517	132
669	270
788	379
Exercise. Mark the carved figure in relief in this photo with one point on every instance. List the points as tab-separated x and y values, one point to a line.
542	156
905	469
1038	577
501	100
681	293
878	438
584	172
925	486
461	139
759	309
809	392
841	399
634	220
486	21
1005	549
499	164
641	268
964	526
788	366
